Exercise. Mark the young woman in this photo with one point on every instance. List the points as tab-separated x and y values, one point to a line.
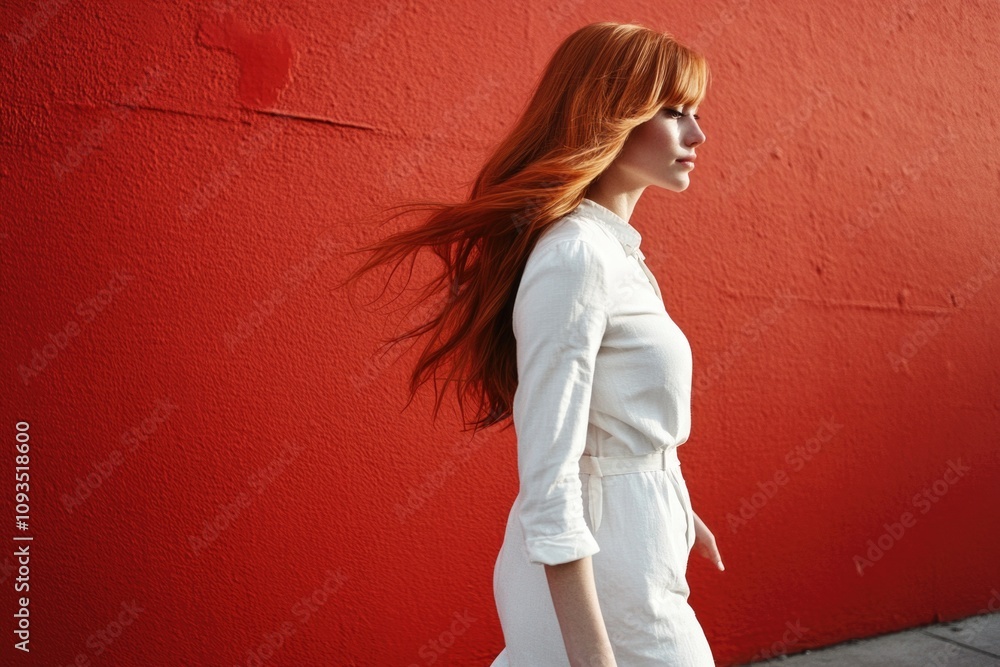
552	317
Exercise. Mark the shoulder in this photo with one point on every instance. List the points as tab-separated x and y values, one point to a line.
573	262
566	284
576	242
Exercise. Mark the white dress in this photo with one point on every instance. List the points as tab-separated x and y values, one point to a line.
603	401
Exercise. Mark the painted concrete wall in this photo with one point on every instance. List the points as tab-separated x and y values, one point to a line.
221	468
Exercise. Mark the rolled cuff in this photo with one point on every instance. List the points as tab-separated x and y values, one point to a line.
569	546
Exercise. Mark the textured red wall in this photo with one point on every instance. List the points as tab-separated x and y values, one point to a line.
221	469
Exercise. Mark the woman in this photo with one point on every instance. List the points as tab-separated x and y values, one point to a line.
553	318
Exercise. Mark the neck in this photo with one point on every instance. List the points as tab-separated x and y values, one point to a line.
620	202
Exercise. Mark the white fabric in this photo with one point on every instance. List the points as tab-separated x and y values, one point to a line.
602	403
601	466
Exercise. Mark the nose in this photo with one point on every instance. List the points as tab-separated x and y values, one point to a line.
697	137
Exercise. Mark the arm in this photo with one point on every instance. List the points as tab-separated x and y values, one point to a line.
575	599
560	315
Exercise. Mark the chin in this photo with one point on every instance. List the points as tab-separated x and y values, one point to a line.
676	186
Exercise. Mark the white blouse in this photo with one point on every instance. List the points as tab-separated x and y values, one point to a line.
602	370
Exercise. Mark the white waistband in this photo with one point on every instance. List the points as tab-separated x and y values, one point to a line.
661	459
602	466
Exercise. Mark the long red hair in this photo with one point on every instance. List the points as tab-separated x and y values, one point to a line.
602	81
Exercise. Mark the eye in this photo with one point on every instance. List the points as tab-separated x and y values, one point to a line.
674	113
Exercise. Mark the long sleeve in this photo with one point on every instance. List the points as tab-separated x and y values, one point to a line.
559	318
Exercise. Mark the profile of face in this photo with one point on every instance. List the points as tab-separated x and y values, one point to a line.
654	150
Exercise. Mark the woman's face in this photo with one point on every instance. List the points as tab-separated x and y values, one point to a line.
653	150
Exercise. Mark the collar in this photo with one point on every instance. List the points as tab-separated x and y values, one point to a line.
627	235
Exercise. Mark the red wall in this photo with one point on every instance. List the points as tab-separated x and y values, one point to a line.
219	461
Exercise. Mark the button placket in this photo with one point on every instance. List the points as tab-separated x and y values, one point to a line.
649	274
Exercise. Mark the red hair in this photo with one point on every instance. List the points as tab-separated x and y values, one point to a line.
602	81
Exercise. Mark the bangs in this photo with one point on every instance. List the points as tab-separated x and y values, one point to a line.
688	83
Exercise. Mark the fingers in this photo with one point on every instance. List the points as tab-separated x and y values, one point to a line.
709	548
711	552
716	556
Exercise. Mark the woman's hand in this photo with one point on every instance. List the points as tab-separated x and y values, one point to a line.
704	541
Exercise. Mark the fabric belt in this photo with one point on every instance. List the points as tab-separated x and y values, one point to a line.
601	466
